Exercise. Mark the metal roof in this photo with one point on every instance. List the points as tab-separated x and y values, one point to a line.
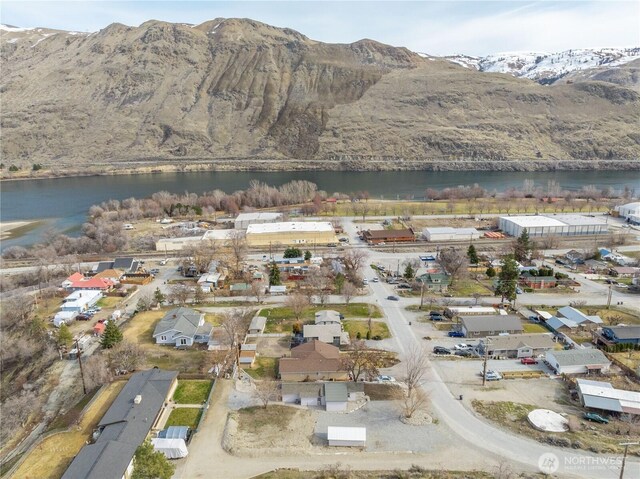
492	323
577	316
516	341
335	392
556	323
579	357
290	227
258	322
602	395
335	433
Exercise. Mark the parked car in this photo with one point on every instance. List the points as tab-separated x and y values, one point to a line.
461	346
436	317
163	262
83	317
386	379
365	281
441	350
492	375
393	298
529	361
464	352
404	286
154	271
519	291
592	416
375	280
456	334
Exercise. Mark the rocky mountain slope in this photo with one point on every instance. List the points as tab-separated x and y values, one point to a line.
241	94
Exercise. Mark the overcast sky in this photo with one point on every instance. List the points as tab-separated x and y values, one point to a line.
447	27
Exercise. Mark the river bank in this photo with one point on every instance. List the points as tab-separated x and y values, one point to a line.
15	229
346	164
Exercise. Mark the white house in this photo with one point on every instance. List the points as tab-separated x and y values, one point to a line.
80	301
578	361
182	327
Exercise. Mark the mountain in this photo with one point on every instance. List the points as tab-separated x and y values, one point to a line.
547	68
236	93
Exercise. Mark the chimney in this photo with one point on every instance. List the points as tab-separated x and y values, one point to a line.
137	399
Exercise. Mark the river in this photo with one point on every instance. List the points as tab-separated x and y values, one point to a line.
63	203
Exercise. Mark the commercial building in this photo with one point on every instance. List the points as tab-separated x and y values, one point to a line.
450	234
578	361
630	212
388	236
216	237
125	425
558	225
517	345
243	220
603	396
481	326
310	233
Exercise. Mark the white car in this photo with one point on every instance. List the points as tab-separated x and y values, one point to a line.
462	347
375	280
386	379
365	281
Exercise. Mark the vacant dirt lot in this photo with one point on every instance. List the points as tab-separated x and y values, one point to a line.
52	456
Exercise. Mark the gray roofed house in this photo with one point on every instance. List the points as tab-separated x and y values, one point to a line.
124	427
257	325
561	324
578	361
517	345
328	316
481	326
182	327
128	265
327	333
333	395
579	317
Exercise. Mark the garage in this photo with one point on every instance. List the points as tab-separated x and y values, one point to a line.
347	436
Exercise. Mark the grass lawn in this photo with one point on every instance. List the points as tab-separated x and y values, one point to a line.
192	391
264	368
378	328
212	318
139	330
109	302
534	328
184	416
254	419
53	455
469	287
353	310
629	358
600	438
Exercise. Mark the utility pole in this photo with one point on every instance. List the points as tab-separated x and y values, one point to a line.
484	367
609	296
84	386
624	458
421	294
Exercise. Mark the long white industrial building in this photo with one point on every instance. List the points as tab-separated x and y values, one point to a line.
559	225
450	234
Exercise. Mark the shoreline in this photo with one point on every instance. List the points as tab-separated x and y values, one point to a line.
14	229
142	167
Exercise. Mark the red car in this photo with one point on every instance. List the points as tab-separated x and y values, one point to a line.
529	361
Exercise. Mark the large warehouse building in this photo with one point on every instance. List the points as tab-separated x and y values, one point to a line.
243	220
450	234
559	225
291	233
630	212
217	237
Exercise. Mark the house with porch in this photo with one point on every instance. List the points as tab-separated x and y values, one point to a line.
433	280
182	327
313	361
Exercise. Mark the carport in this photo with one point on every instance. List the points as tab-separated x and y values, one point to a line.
347	436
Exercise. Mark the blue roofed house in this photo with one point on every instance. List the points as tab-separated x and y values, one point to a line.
611	335
125	425
182	327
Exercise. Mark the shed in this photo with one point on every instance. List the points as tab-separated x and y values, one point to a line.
174	432
347	436
171	448
257	325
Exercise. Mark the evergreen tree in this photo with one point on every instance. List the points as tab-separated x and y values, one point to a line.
491	272
151	464
111	336
409	272
523	247
307	255
508	278
158	296
339	282
292	252
472	254
65	338
274	275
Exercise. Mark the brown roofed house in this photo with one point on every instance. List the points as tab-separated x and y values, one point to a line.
313	361
388	236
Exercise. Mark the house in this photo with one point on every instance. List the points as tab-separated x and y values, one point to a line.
128	265
481	326
517	345
111	274
574	257
313	361
347	436
72	279
327	333
257	325
433	280
388	236
604	397
277	289
537	282
247	358
596	266
210	281
182	327
64	317
561	325
577	361
610	335
334	396
80	301
102	284
125	425
623	271
328	316
578	317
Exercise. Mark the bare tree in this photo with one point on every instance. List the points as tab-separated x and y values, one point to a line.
550	242
415	366
454	261
237	252
317	282
179	293
96	372
349	290
126	356
266	391
297	303
414	401
360	361
258	291
353	260
235	323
